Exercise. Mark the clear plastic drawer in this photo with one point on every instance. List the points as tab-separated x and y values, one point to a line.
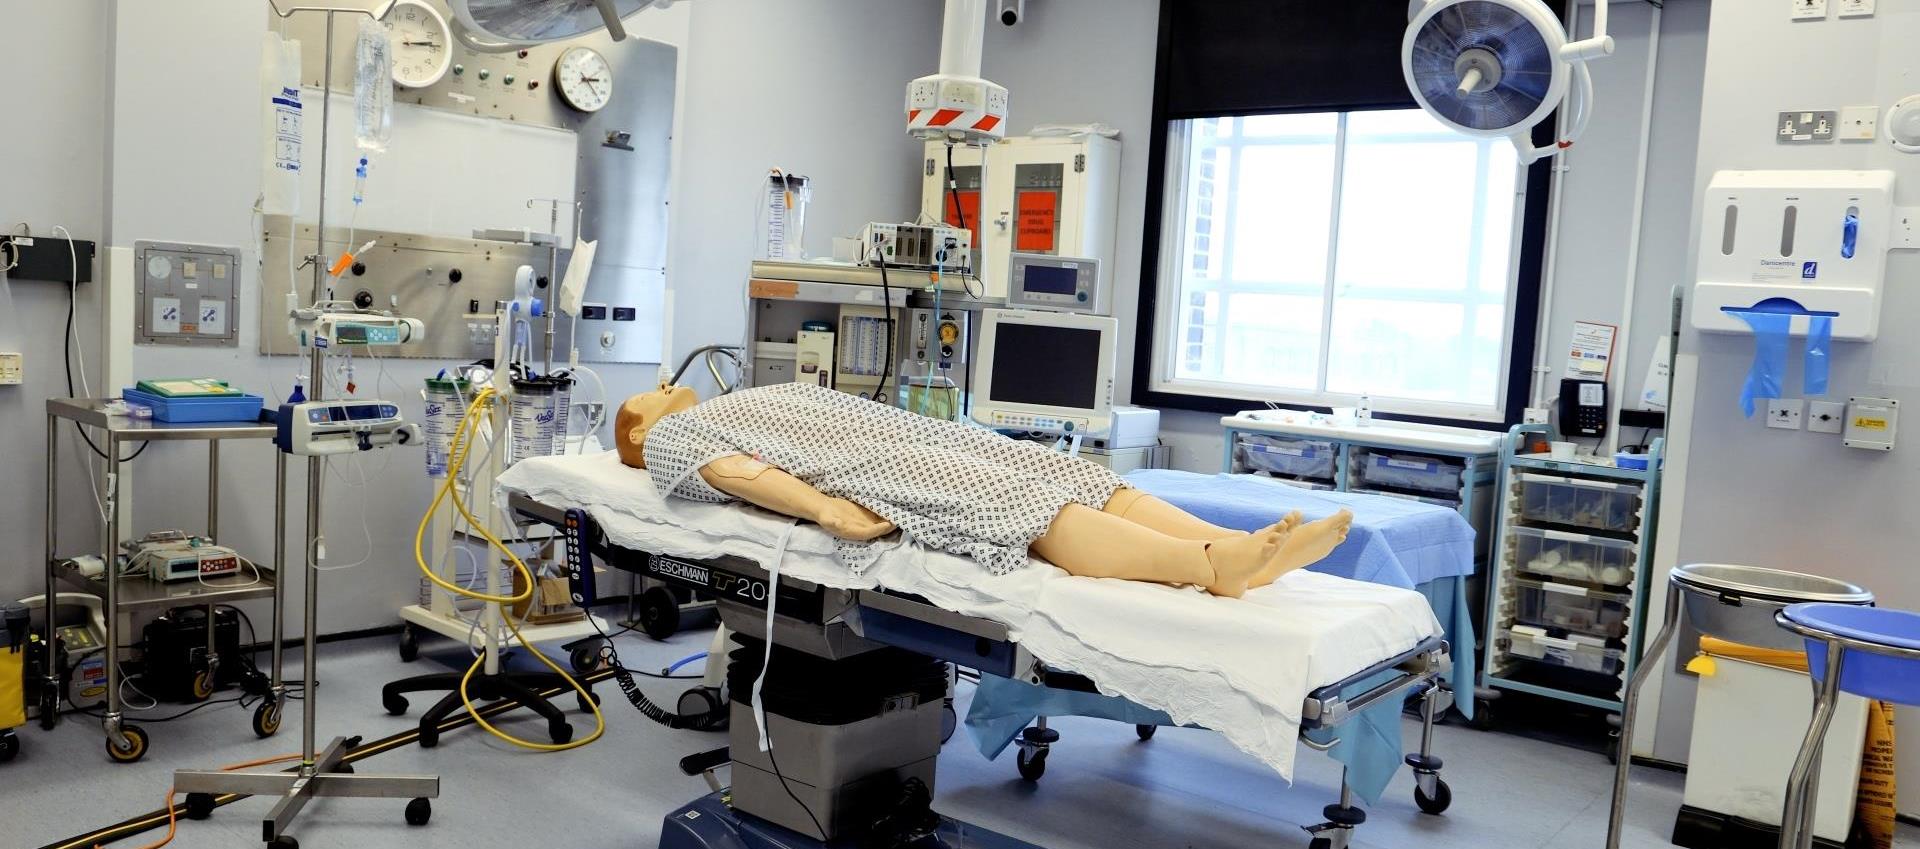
1570	653
1572	557
1299	458
1579	503
1563	607
1411	472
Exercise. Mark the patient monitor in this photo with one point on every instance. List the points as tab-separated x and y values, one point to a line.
1045	372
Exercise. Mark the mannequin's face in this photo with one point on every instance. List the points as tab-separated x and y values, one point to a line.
638	416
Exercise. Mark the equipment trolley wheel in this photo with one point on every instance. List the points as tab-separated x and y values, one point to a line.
659	613
199	806
1321	843
949	722
1436	804
1145	732
203	685
1032	766
132	746
419	811
586	657
9	746
561	733
266	719
284	841
588	701
409	644
49	708
395	703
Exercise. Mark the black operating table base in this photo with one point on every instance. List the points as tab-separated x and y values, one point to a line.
710	823
523	688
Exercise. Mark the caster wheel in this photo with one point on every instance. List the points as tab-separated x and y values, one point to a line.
9	746
409	645
343	768
203	685
949	723
131	747
395	703
1482	715
266	719
284	841
199	806
49	709
419	811
585	658
1321	843
560	732
429	736
1146	732
1032	766
1437	803
588	702
659	613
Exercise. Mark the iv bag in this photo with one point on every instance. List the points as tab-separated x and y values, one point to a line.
372	87
280	119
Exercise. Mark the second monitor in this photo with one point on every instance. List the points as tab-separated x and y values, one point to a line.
1045	372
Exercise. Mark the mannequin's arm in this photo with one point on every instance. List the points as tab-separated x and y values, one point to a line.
762	485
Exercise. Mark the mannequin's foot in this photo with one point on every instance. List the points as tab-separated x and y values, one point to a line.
1287	523
1238	560
1308	544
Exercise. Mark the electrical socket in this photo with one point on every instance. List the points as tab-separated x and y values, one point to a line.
1809	10
1536	415
1826	416
1856	8
1785	413
1860	123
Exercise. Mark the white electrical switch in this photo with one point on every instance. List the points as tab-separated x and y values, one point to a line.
1856	8
1826	416
1784	413
1809	10
1860	123
1871	423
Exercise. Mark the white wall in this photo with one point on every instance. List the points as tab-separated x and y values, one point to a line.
1796	500
776	83
52	146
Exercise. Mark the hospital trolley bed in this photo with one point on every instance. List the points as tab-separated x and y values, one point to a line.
932	605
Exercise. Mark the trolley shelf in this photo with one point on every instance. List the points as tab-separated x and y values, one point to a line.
136	592
91	412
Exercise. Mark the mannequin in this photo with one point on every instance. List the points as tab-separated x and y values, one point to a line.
1100	527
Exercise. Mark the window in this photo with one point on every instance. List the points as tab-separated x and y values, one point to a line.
1315	258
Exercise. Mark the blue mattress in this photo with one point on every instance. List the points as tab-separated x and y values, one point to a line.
1398	542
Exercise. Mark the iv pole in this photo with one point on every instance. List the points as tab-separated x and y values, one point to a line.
324	772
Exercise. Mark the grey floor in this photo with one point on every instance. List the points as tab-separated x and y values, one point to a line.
1103	788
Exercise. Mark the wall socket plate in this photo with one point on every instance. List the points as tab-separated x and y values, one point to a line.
1807	126
1785	413
1856	8
1860	123
1809	10
1872	423
1826	416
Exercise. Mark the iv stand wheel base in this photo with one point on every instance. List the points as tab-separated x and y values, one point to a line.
409	644
199	806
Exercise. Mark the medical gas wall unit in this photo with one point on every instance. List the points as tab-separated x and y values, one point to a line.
1054	195
1802	243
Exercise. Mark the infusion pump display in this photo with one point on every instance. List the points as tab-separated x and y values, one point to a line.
1059	284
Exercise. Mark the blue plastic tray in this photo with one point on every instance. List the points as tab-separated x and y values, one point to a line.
237	408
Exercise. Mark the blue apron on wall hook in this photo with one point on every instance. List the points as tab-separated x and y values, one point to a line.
1772	323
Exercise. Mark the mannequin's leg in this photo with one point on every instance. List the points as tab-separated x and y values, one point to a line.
1307	545
1096	544
1143	509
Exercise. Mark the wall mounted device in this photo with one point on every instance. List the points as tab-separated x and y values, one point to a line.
956	104
186	294
1054	195
1061	284
1872	423
918	247
1583	408
1045	372
343	426
937	337
1497	68
1802	243
355	329
860	360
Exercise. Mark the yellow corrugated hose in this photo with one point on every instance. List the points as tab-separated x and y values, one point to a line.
478	412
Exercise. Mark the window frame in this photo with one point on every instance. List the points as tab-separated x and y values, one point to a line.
1159	381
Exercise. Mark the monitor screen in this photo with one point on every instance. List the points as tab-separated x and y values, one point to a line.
1051	280
1046	366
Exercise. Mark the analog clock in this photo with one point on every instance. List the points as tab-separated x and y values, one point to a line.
584	79
421	43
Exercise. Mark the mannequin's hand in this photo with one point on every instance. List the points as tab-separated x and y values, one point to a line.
850	521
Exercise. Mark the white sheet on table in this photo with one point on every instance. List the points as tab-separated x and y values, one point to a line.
1241	667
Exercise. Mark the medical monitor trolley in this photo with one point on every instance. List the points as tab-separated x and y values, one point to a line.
1045	372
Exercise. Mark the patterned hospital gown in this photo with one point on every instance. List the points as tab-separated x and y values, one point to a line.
949	486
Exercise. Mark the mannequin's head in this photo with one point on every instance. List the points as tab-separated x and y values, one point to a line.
638	416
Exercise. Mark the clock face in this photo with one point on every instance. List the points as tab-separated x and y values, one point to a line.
421	44
584	79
